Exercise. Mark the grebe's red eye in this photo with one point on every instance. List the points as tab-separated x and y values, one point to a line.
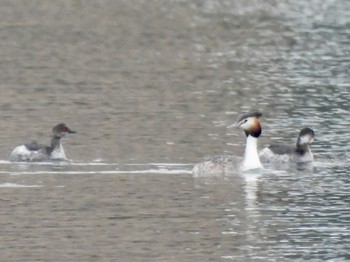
65	129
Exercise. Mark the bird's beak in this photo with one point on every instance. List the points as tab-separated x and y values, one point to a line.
236	124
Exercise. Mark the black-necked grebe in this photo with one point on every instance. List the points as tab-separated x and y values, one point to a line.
251	125
299	153
33	151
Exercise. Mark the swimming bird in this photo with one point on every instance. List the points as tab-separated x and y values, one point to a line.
250	123
298	153
35	152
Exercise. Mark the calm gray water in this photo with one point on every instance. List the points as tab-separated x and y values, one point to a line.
150	86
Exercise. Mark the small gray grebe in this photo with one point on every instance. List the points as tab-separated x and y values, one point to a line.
250	123
34	152
300	153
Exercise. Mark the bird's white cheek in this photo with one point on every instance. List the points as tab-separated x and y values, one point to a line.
306	139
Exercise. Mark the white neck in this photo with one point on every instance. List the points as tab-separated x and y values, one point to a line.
251	157
307	157
310	154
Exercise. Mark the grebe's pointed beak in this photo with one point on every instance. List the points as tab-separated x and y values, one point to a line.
70	131
236	124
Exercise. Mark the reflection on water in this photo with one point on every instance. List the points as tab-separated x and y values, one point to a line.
150	87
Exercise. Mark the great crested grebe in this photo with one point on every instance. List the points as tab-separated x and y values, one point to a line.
251	125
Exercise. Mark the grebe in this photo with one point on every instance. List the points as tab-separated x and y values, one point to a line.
250	123
34	152
300	153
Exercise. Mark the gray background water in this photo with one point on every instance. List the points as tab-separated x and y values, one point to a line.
150	87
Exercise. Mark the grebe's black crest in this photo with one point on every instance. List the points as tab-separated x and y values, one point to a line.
249	114
62	130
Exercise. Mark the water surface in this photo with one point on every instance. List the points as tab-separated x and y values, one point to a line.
150	86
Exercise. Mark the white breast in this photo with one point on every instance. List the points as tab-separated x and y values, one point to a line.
58	153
